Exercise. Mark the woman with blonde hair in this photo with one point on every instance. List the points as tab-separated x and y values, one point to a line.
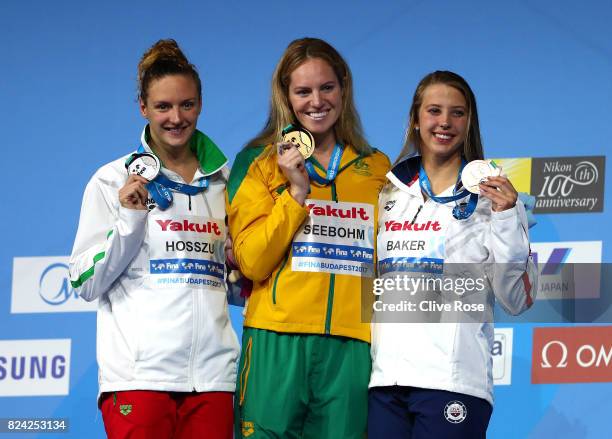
303	229
150	248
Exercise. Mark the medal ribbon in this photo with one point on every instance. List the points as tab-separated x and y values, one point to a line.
458	212
161	187
332	169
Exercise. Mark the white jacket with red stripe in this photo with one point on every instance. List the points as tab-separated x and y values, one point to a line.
491	248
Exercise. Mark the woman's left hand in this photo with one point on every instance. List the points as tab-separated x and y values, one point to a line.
229	252
500	191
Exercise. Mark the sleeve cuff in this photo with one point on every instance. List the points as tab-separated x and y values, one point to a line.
294	208
132	218
505	214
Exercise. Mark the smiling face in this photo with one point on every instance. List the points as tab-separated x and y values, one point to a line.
315	97
172	108
442	122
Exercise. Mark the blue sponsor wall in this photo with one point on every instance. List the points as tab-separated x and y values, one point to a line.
541	71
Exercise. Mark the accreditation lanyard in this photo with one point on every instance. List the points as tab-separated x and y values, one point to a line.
332	169
161	187
460	212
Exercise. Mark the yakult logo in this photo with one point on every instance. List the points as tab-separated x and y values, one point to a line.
395	226
352	212
572	355
188	226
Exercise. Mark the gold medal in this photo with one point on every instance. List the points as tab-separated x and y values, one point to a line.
301	138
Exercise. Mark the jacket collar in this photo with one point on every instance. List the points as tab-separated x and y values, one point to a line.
405	174
210	157
349	156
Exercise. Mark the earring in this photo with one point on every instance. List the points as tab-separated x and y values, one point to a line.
416	128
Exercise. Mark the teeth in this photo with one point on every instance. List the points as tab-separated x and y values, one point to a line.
443	136
320	115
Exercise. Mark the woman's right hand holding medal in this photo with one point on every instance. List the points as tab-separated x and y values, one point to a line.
291	163
133	195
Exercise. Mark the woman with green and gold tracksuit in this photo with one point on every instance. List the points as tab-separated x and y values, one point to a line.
303	230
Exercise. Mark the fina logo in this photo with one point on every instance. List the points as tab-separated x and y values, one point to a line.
54	287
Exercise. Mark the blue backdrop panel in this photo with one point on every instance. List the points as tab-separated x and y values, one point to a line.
540	69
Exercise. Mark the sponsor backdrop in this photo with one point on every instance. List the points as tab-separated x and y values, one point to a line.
540	70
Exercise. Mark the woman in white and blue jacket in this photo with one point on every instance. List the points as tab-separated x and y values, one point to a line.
434	380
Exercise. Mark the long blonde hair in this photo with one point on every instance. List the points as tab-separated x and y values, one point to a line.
347	129
472	144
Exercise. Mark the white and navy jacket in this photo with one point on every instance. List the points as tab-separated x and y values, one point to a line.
493	246
159	277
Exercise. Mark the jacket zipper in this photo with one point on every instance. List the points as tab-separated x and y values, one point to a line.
330	303
417	213
195	344
332	278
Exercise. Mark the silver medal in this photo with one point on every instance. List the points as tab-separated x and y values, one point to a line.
476	172
146	165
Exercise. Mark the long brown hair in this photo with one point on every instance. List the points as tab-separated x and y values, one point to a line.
347	129
472	144
162	59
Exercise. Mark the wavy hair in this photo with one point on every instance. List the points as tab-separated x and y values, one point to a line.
347	128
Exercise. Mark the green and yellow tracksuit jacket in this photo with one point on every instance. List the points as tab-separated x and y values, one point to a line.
265	222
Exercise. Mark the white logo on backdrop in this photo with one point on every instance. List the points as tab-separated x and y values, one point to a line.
585	173
568	270
502	357
42	285
586	355
34	367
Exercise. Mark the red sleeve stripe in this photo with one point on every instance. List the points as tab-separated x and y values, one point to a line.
527	286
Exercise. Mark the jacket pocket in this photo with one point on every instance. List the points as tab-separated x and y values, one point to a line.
277	276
